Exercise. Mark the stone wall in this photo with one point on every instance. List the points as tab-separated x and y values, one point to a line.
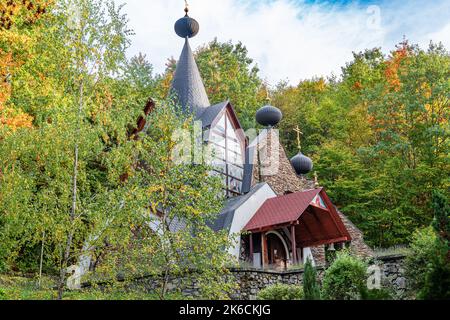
393	275
251	281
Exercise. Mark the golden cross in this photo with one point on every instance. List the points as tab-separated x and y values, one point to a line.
187	6
297	129
316	179
267	92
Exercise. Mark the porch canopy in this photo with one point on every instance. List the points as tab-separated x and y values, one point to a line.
310	214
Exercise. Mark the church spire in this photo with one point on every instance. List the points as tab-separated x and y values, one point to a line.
187	83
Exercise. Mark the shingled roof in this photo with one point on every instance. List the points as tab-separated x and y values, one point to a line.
282	209
187	83
210	114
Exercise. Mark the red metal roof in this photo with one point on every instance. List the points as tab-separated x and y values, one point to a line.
282	209
319	226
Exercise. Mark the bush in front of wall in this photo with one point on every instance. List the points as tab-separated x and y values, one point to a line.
281	292
345	279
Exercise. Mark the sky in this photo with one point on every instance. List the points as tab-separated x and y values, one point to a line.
289	40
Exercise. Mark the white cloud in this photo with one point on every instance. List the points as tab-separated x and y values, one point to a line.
288	39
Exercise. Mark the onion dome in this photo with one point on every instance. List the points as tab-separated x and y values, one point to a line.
187	27
269	116
302	164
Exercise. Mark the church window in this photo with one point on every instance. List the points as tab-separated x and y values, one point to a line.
228	159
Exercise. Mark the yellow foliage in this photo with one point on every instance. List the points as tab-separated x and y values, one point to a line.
14	16
156	188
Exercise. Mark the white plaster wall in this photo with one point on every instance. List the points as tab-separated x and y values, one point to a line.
245	212
308	254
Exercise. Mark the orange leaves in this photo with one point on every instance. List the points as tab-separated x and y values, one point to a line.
8	117
14	13
393	67
27	11
14	119
357	85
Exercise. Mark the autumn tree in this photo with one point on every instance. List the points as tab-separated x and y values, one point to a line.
59	167
20	22
378	136
175	202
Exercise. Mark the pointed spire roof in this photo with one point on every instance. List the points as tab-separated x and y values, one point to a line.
187	83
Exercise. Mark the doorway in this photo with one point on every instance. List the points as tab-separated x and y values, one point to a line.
277	254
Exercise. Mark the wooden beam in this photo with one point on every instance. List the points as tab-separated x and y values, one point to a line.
265	251
273	227
307	244
293	245
251	248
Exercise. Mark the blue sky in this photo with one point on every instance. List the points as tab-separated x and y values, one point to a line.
289	39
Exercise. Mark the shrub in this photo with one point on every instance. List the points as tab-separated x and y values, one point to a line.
3	295
416	263
281	292
377	294
437	278
310	286
426	266
345	279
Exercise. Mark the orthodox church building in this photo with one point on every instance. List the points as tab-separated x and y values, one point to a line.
281	218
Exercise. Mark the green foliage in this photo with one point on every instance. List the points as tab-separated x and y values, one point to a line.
281	292
345	279
437	279
441	221
423	248
378	137
427	266
177	199
230	74
76	184
377	294
3	295
18	288
310	285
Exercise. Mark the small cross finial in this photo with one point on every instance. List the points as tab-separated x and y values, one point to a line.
316	179
297	129
266	85
186	7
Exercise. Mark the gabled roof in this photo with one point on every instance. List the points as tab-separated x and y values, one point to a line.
210	114
225	218
187	83
282	209
315	224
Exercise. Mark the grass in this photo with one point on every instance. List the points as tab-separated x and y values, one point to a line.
23	288
392	251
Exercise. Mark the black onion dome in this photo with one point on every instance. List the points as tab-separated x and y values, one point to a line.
269	116
187	27
302	164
